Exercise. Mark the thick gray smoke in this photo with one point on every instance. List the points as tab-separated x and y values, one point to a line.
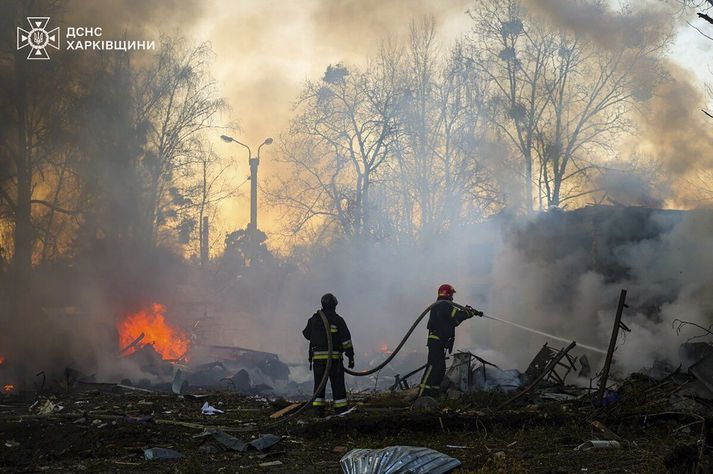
558	272
136	18
646	21
633	187
569	280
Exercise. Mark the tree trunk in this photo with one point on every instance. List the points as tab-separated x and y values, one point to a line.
528	182
50	219
202	219
23	236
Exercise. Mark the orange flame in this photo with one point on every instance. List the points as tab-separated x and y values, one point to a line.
8	387
169	341
384	348
2	359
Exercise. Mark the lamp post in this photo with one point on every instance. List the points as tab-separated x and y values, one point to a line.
254	162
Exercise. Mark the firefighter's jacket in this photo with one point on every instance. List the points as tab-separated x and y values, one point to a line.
442	323
341	338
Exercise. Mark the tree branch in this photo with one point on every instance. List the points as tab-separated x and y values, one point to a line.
56	208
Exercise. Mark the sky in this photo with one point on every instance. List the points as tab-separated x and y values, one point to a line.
265	50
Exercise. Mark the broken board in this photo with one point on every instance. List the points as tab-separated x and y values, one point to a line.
285	411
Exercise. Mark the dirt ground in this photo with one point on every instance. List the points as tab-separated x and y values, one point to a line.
100	430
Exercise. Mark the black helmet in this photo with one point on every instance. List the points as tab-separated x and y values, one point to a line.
329	301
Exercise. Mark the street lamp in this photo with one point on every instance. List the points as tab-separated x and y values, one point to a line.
254	162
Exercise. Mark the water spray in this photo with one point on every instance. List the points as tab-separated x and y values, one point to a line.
543	333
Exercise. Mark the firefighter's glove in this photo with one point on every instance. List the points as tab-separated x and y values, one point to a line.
473	312
351	363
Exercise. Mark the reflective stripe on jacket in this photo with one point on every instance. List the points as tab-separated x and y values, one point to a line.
442	322
341	338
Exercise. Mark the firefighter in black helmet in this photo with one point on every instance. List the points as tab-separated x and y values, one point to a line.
318	353
442	324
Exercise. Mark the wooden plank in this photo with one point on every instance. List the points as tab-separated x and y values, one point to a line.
133	344
612	346
285	411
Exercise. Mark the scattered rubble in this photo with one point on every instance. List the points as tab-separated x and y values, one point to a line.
532	431
157	454
228	441
493	419
598	444
208	409
46	407
265	442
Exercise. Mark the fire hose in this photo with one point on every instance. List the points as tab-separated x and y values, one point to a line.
398	348
330	351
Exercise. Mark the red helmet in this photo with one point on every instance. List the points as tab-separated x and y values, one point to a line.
446	290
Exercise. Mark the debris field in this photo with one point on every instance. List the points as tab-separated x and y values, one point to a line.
110	427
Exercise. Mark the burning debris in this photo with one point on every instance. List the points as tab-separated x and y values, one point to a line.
148	326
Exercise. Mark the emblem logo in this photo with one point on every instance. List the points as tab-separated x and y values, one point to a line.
38	38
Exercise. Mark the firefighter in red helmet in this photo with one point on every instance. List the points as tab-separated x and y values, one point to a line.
442	324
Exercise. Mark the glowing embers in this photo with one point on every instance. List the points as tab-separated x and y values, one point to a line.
8	387
168	340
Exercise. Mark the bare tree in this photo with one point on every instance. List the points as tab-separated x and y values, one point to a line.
35	102
563	97
208	187
447	126
703	10
177	100
514	56
390	152
340	138
442	119
590	93
64	186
